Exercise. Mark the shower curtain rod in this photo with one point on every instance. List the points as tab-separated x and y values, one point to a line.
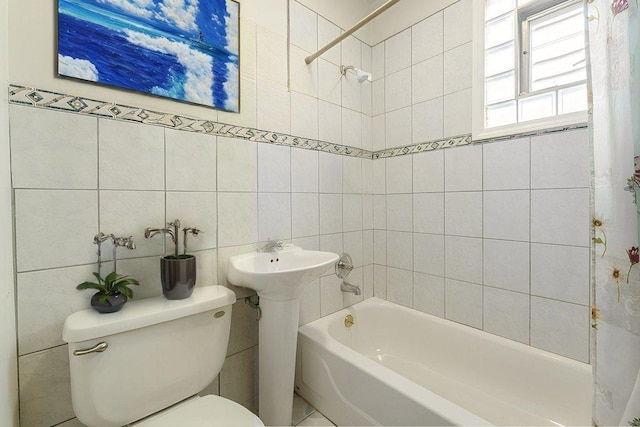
309	59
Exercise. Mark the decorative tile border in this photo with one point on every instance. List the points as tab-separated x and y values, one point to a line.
40	98
23	95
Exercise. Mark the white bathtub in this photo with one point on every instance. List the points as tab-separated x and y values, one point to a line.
397	366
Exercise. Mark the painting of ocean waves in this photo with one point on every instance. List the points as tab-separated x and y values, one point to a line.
187	50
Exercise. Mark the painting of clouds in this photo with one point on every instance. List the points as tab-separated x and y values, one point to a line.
181	49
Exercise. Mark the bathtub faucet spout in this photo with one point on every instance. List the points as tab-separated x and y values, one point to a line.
348	287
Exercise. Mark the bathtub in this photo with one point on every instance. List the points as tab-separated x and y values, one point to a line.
397	366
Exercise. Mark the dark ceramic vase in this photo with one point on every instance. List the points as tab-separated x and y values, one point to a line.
178	276
112	304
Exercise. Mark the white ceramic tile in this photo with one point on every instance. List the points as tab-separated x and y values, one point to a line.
45	388
380	212
398	128
351	52
332	243
237	219
367	212
303	77
45	299
72	423
561	328
561	273
398	52
331	173
366	176
427	38
195	210
463	168
327	32
352	212
353	246
560	216
305	214
271	56
506	314
380	281
206	267
272	15
367	249
428	79
351	128
128	213
399	212
309	302
237	165
380	247
311	243
274	168
330	295
400	286
351	92
428	172
244	328
131	156
427	121
378	95
379	176
399	174
330	213
378	124
367	132
398	90
463	259
301	409
428	213
368	282
457	68
463	214
428	254
330	122
274	216
561	160
304	171
400	250
457	113
366	92
304	115
366	52
506	215
186	170
428	294
303	27
316	420
463	302
272	100
506	165
458	24
47	145
506	265
239	376
329	82
40	213
377	61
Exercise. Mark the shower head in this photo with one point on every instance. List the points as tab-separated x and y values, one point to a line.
361	76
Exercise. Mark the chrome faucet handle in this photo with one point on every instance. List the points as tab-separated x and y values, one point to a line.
344	266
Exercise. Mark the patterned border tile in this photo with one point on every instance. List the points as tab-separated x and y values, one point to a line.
23	95
40	98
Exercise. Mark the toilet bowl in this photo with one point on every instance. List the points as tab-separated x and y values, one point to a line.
145	364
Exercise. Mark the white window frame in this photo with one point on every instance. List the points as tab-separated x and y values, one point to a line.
479	129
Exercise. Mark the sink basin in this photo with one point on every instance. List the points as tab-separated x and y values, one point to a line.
278	275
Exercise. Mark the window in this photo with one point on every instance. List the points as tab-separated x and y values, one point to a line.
530	64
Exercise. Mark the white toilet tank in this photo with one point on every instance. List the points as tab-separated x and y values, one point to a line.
159	353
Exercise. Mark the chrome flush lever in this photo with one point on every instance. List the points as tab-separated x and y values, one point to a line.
99	348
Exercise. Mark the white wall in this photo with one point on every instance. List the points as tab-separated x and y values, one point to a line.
8	361
344	14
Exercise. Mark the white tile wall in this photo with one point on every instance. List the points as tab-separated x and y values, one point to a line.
427	38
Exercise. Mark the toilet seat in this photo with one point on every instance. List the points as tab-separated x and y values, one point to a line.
206	411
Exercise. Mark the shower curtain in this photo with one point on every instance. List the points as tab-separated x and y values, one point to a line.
614	122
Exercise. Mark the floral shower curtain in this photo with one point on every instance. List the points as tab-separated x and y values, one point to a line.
614	52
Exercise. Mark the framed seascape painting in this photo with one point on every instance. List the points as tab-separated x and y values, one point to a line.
186	50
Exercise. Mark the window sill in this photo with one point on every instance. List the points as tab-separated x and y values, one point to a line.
549	123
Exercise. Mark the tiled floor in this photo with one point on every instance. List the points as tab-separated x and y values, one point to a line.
305	415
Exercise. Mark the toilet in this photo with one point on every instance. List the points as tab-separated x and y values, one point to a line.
145	364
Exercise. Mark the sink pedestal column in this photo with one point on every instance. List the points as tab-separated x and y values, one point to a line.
278	335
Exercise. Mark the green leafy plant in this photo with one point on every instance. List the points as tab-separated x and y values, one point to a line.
635	422
112	284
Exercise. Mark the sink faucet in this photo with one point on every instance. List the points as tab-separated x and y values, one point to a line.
272	245
348	287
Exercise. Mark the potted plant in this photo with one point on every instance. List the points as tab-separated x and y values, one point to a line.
113	291
177	271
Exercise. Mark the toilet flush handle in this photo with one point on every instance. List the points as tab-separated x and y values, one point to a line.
99	348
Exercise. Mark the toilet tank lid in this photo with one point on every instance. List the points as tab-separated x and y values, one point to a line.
89	324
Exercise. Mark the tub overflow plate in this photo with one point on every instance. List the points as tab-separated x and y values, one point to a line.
348	321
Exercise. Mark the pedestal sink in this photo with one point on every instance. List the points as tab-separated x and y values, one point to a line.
277	277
